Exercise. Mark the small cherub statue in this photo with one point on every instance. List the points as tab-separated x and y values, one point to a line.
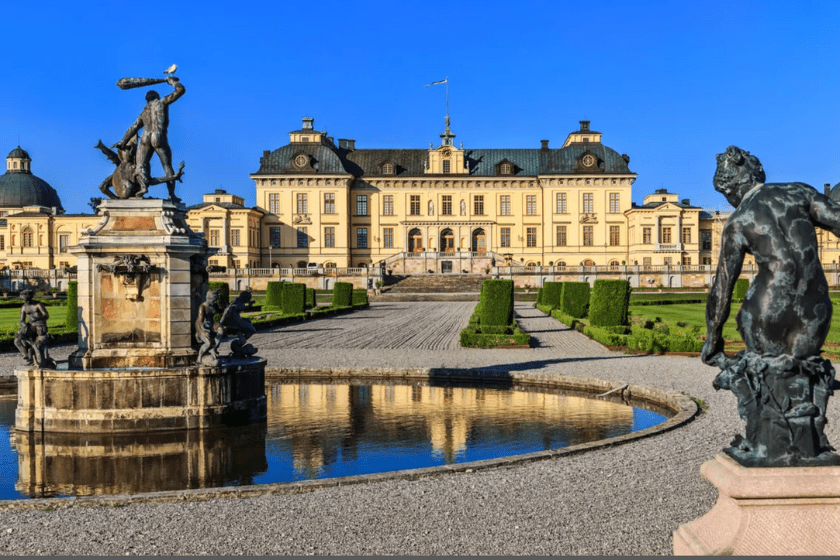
32	338
233	322
208	332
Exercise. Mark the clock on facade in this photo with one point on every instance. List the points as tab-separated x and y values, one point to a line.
588	160
300	160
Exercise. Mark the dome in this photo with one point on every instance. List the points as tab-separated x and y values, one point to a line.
19	187
18	153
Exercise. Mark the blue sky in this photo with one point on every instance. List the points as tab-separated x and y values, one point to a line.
669	83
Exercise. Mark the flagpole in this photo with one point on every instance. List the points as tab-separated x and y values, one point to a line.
447	96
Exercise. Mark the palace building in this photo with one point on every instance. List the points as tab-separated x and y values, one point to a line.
443	209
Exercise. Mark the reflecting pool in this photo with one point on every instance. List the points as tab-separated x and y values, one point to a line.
315	429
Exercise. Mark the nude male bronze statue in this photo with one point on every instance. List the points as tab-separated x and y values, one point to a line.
781	381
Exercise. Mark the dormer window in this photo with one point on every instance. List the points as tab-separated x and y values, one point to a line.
304	138
446	166
387	168
505	169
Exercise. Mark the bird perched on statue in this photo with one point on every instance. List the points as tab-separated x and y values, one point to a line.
171	69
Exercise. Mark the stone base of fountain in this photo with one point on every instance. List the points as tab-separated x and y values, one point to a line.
766	511
123	400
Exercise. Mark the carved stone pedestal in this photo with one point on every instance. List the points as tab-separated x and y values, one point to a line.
767	511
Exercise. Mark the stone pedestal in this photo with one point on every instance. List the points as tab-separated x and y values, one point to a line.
137	319
767	511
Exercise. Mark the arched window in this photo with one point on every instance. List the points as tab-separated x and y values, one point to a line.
531	263
415	241
301	264
561	263
614	265
362	265
505	169
275	265
588	262
329	265
27	237
387	168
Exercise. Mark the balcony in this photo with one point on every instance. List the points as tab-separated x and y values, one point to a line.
669	247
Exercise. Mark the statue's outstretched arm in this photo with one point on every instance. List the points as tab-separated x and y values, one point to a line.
179	91
132	130
719	303
826	213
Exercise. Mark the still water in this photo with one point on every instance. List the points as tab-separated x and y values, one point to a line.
315	429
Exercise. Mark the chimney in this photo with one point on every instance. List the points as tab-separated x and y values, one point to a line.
351	145
342	143
330	140
584	126
544	145
827	189
686	201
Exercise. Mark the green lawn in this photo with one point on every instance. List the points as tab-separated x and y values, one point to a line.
9	319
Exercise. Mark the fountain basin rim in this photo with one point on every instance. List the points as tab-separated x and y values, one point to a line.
684	407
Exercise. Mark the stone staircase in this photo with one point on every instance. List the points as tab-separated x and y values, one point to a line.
432	287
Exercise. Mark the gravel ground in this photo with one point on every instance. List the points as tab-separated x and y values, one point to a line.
624	500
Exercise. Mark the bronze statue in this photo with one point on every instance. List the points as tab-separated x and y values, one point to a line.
154	120
207	331
781	381
32	338
124	179
232	321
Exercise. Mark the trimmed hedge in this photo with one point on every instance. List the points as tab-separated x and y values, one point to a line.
665	301
342	295
273	296
71	323
552	294
360	298
310	298
497	302
224	292
479	337
740	290
293	298
575	299
610	299
539	297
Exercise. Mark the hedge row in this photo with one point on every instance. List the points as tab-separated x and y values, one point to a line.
71	322
575	299
610	299
497	303
224	292
666	301
310	298
342	294
740	290
273	296
293	298
360	297
487	336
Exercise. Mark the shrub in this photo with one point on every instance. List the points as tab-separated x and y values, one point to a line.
359	297
604	336
610	300
539	296
497	302
472	337
552	294
575	299
310	298
342	295
224	292
71	323
273	296
293	298
740	290
567	320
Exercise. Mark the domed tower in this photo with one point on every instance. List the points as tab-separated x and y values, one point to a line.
19	187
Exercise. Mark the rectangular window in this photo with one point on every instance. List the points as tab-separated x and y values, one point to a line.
706	239
234	237
446	205
686	261
504	205
388	205
561	236
274	203
302	238
274	236
505	231
478	205
214	238
63	243
666	261
414	208
646	263
361	205
615	238
615	207
388	238
588	236
329	237
446	166
301	203
2	242
361	238
531	205
531	236
646	235
329	203
666	235
588	203
561	203
707	260
686	235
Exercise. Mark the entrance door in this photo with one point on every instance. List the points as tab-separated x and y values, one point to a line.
447	241
479	241
415	241
446	266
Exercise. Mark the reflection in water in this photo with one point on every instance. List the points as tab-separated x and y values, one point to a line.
314	429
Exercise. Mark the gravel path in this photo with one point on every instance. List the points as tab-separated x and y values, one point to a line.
623	500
